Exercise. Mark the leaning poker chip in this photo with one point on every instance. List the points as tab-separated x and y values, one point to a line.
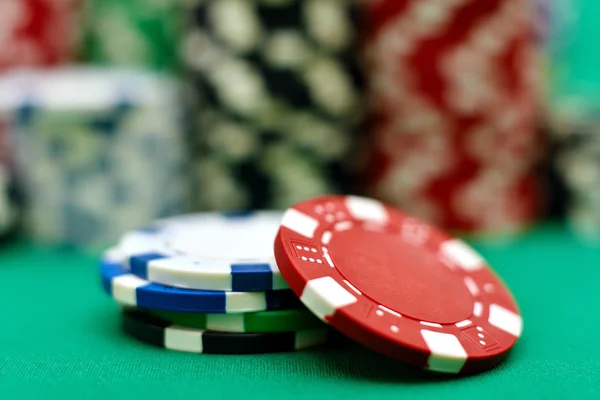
397	285
130	290
261	322
208	251
161	333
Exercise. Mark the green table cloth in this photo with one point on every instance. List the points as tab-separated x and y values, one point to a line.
61	338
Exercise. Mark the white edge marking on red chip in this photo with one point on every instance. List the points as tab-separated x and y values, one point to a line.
477	309
343	226
390	311
471	286
323	296
183	339
464	323
124	288
447	354
432	324
300	223
367	209
328	259
463	255
505	320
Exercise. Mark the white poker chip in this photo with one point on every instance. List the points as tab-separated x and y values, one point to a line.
207	251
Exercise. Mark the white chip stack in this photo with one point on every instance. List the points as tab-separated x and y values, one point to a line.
100	151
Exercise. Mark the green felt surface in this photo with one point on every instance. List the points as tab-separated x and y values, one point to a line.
61	338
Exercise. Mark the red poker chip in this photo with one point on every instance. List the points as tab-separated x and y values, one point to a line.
38	33
397	284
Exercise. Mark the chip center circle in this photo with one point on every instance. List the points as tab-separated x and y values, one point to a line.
408	279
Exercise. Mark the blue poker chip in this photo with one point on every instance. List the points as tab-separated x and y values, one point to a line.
207	251
130	290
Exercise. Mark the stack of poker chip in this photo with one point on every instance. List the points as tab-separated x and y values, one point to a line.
10	204
38	32
227	284
278	93
573	112
98	151
208	283
576	133
140	33
452	89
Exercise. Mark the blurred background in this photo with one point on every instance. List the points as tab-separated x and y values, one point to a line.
480	116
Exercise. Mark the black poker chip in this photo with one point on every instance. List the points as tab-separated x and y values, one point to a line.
153	330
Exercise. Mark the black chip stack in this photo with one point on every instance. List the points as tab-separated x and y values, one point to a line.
277	87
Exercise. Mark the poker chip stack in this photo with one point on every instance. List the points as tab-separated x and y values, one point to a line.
38	33
452	89
574	105
278	100
269	281
10	202
98	151
138	33
208	283
576	132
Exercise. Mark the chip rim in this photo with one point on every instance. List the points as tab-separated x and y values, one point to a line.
253	322
161	333
157	264
130	290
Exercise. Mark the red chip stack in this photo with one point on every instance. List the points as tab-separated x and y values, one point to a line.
452	94
37	32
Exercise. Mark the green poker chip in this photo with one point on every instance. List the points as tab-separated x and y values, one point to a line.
257	322
134	33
